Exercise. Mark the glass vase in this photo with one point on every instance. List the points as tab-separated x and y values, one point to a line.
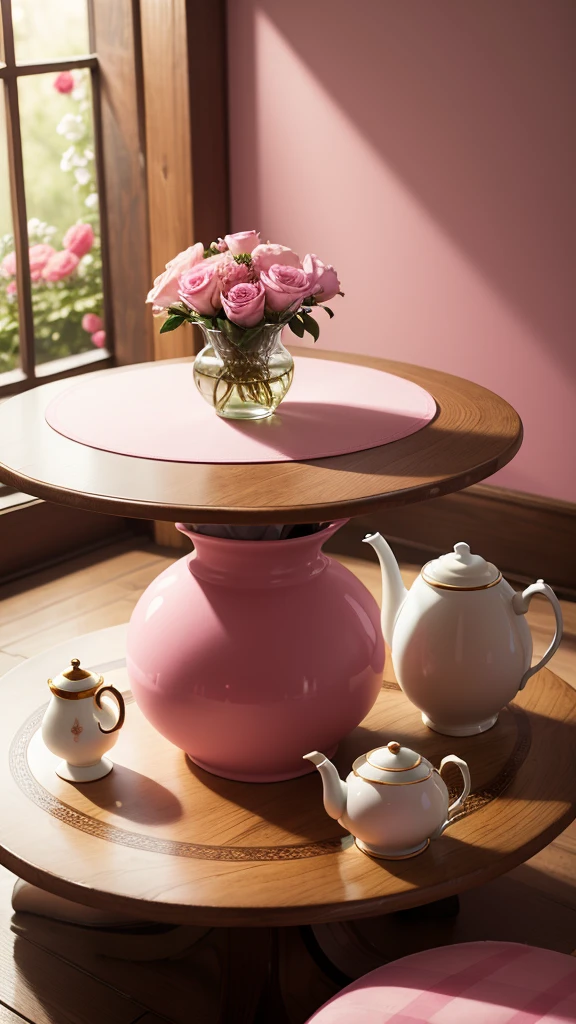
244	379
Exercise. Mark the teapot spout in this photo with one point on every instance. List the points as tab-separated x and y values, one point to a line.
335	790
393	589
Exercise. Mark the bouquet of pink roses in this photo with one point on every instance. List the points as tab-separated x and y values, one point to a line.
238	285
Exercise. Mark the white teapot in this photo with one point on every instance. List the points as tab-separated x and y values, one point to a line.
461	647
393	801
81	723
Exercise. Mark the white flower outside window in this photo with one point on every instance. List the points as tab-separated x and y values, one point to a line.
71	127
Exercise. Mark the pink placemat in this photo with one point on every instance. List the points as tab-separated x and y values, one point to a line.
156	412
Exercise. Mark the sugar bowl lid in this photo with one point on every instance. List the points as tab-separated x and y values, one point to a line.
461	570
392	765
75	680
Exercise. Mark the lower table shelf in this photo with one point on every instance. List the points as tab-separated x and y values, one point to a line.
162	839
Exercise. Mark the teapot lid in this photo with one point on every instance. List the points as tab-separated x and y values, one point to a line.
392	765
75	679
461	570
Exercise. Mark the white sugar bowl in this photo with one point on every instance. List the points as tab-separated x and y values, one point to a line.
393	802
81	723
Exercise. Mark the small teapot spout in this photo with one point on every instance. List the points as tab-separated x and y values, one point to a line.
393	589
335	790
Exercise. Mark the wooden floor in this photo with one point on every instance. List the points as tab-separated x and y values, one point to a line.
53	978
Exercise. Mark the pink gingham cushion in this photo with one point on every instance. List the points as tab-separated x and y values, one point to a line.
469	983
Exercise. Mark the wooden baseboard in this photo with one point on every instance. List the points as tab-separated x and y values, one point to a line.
526	536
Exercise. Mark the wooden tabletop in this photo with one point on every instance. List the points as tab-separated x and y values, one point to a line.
474	434
162	839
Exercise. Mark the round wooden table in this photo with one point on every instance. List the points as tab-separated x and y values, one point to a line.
163	840
474	434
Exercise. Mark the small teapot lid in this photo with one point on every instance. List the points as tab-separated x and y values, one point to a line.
75	679
461	570
392	765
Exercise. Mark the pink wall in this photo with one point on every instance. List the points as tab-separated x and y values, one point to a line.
440	136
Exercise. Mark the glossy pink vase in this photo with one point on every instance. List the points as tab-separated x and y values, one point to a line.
249	654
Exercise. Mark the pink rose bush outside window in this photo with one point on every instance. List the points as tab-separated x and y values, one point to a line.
65	263
242	293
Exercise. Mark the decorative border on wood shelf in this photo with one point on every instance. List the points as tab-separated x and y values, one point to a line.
29	785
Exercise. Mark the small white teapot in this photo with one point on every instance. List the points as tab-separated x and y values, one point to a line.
81	724
461	647
393	801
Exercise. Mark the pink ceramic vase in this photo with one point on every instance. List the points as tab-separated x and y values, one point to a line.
248	654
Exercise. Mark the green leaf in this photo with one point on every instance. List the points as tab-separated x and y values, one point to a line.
225	326
296	325
328	310
311	325
249	334
196	318
171	323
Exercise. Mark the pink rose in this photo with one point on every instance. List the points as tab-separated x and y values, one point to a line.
200	288
8	265
165	290
325	283
285	287
244	304
60	265
232	273
64	82
99	339
242	241
39	256
11	289
221	245
91	323
263	256
79	239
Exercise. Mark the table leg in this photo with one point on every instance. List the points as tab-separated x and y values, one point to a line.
439	910
353	948
251	992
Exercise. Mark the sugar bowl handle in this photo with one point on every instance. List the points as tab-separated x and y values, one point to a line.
456	804
521	603
121	706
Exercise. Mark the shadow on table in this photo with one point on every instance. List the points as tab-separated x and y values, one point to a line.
296	806
440	450
135	797
328	424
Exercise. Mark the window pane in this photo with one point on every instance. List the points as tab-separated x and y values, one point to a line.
62	207
48	29
8	299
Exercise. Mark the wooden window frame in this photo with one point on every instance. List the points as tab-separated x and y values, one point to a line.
115	70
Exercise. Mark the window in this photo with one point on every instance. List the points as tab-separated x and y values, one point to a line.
53	265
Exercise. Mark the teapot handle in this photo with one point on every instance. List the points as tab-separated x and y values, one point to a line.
456	804
521	603
121	706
